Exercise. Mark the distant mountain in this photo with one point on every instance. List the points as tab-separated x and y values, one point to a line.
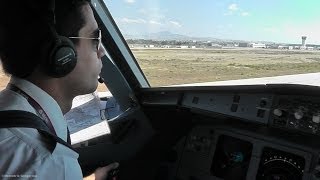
159	36
166	35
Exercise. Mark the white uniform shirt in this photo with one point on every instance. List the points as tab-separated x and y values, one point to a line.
23	153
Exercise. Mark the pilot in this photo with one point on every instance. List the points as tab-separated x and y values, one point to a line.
52	50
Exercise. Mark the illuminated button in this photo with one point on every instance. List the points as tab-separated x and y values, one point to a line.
316	119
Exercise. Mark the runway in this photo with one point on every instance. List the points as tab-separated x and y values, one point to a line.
312	79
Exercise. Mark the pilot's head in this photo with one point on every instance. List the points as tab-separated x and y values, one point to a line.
53	41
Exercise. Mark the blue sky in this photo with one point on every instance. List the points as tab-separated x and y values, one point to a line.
270	20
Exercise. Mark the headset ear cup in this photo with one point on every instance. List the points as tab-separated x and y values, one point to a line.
62	57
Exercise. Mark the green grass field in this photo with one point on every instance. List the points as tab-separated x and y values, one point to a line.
164	67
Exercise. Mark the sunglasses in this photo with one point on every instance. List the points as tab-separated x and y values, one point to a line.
97	39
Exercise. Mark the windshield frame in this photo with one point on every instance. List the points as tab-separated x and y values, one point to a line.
118	48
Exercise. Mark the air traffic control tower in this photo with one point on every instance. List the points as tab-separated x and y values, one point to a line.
303	41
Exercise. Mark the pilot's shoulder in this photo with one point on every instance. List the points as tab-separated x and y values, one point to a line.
10	100
25	141
22	156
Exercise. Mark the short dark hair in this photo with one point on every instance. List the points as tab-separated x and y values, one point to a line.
25	37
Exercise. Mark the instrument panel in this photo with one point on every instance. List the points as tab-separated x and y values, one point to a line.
299	113
248	133
224	153
216	153
290	112
251	107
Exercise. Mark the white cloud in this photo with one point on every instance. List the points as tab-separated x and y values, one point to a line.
151	19
130	21
245	14
154	22
175	23
130	1
233	7
153	13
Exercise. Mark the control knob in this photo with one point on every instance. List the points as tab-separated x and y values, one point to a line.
277	112
298	114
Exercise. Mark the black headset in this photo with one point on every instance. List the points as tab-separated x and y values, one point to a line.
62	56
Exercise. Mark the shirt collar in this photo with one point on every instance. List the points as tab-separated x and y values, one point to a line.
47	103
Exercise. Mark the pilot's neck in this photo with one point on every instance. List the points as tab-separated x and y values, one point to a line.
52	87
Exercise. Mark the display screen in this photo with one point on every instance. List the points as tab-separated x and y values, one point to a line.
231	158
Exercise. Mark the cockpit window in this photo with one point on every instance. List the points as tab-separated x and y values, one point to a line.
189	42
